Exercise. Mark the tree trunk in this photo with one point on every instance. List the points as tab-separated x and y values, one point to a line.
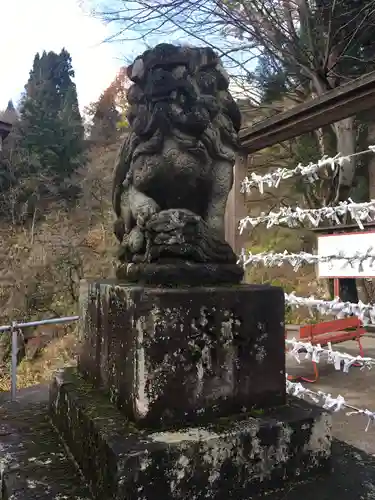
346	145
346	137
347	290
366	287
363	290
345	132
326	138
371	161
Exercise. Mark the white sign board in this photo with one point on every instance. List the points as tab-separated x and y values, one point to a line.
346	245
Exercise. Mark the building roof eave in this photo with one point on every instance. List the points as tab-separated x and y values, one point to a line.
5	128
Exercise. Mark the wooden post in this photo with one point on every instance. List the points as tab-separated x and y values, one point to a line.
236	207
336	287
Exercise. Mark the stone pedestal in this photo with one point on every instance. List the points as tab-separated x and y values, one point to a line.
180	394
169	356
243	458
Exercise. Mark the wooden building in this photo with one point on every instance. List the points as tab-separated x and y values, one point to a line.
5	128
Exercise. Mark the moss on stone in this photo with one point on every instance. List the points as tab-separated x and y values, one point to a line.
95	403
172	357
37	466
232	457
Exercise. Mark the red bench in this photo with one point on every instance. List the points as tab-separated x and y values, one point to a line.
335	331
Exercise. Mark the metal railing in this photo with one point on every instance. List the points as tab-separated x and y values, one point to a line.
13	329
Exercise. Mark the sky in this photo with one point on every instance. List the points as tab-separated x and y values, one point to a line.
31	26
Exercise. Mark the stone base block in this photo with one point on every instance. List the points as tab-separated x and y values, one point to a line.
183	355
239	458
184	273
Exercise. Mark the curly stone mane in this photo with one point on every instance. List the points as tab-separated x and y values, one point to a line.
180	92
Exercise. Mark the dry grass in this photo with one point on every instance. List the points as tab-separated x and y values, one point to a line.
58	354
36	278
36	263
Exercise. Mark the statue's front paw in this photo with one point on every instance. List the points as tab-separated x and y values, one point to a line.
136	240
146	211
142	206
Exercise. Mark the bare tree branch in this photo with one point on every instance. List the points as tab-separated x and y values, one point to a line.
311	42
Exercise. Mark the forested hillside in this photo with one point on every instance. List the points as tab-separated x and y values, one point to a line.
56	165
55	181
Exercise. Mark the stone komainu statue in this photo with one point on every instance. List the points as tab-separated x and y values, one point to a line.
174	170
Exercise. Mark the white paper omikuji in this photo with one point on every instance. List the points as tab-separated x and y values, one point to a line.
369	414
365	312
340	360
327	401
310	171
273	179
295	217
296	260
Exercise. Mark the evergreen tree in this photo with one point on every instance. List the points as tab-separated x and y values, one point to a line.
105	119
51	124
108	113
